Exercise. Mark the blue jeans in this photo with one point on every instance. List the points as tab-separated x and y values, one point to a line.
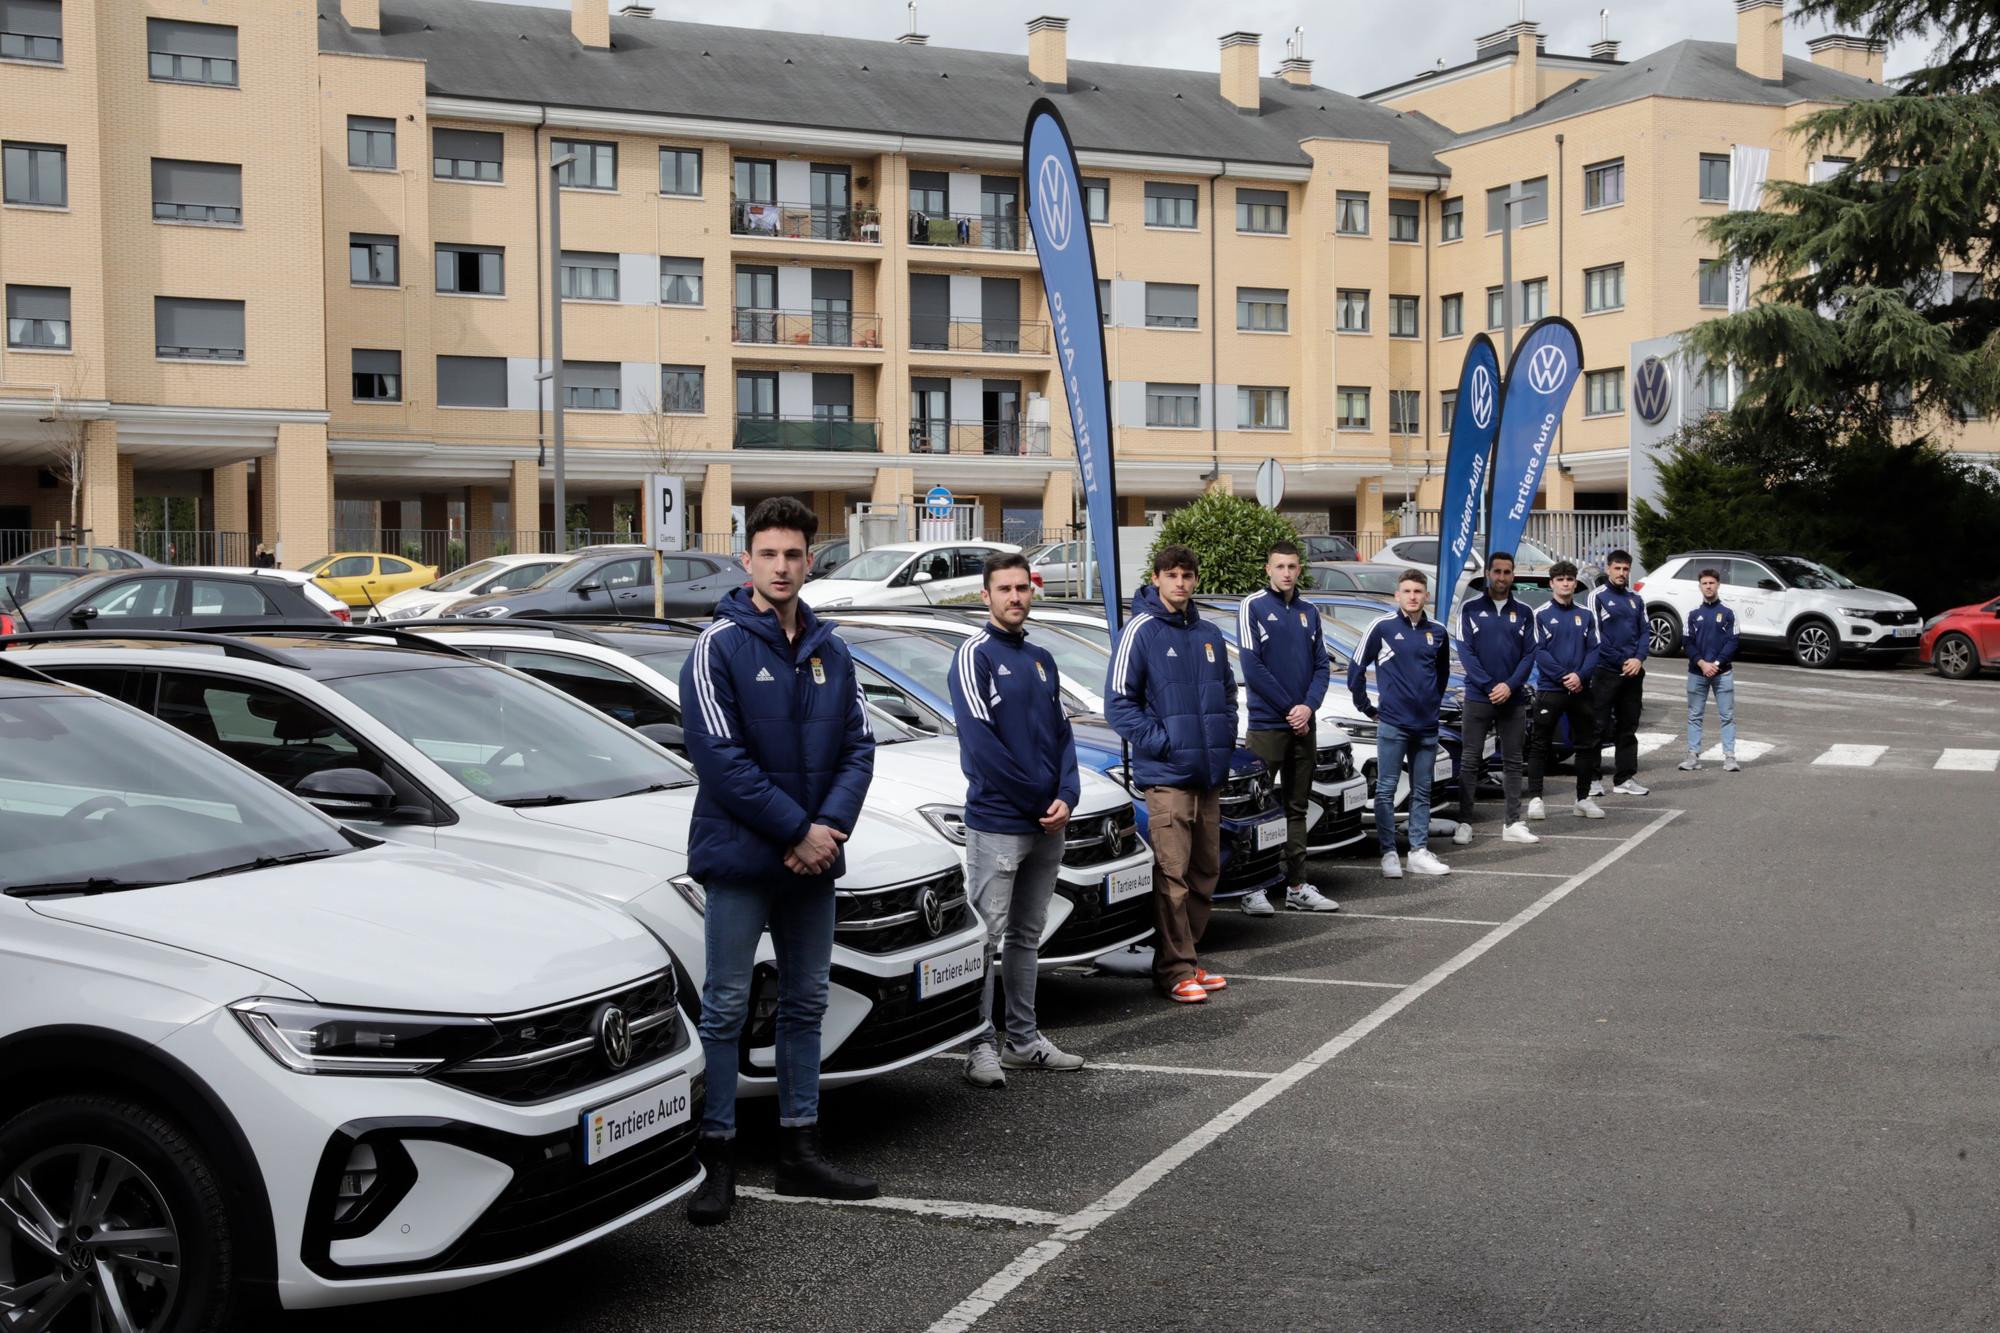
1723	684
800	917
1393	744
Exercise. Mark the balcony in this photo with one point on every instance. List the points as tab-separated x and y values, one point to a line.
969	231
989	439
804	222
812	434
1004	337
807	328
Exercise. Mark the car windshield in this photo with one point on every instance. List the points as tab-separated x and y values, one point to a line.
874	566
466	577
510	740
1081	662
51	603
1095	634
319	564
1353	621
1809	574
668	657
95	798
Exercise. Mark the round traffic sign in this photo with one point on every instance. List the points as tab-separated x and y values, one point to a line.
1270	483
937	502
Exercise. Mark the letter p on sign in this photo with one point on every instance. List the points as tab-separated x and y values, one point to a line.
666	507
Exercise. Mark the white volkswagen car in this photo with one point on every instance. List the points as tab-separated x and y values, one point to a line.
246	1050
906	574
1785	602
498	573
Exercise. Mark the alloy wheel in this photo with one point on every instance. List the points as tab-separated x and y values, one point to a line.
87	1243
1661	635
1954	656
1813	645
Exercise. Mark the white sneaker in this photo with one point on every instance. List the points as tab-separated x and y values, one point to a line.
1462	836
1257	903
1535	808
1589	809
1423	863
1306	898
1518	832
1729	764
1039	1054
1391	867
982	1068
1630	788
1691	764
1597	789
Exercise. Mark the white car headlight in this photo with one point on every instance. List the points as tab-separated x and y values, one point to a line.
692	893
316	1039
948	820
1858	613
834	602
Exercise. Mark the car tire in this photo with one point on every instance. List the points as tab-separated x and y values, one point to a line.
1815	644
1955	657
1663	632
167	1182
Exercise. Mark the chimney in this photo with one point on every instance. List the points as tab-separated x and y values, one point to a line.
1048	51
1527	80
1859	56
590	22
365	15
1607	49
636	9
914	39
1239	71
1295	69
1760	39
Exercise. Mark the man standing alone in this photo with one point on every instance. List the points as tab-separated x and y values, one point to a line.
1618	685
1284	673
1565	655
1414	657
1498	637
1711	650
1019	757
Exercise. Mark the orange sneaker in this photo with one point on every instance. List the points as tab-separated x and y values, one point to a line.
1209	981
1188	991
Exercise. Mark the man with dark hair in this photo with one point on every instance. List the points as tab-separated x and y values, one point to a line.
1711	649
1618	685
777	731
1019	757
1411	654
1284	673
1498	637
1565	655
1171	695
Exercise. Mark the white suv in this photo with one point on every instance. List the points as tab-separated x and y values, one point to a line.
243	1049
1787	602
496	573
906	574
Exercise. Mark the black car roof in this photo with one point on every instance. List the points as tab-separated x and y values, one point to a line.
320	658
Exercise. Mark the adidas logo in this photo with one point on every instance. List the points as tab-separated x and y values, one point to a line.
1399	635
1004	671
1172	653
764	673
1272	616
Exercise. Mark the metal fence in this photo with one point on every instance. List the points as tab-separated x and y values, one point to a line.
188	546
454	548
1567	534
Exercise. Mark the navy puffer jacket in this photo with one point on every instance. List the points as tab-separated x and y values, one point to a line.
1171	695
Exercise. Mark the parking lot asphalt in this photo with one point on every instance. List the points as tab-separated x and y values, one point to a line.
1723	1059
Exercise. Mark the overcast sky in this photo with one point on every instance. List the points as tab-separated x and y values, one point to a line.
1368	47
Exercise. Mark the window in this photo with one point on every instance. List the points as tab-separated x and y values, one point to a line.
378	376
38	317
1532	208
1104	301
1496	205
178	52
595	167
1451	315
371	143
1603	288
680	171
1901	400
1405	220
471	270
591	385
1261	212
1604	184
683	389
1263	309
1173	405
833	397
1402	317
210	192
1712	282
148	598
1711	388
373	261
31	30
1350	213
466	155
1096	199
588	275
1496	307
1603	392
189	329
1406	412
1451	220
1352	406
219	597
1172	305
680	281
1534	299
1353	311
472	381
35	173
756	180
757	394
1263	409
1170	205
1447	410
1715	178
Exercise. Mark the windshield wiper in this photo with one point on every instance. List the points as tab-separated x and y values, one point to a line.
95	884
641	791
553	798
266	862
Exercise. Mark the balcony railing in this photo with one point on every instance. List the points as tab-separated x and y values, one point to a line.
974	231
165	211
996	439
938	333
817	434
804	222
808	328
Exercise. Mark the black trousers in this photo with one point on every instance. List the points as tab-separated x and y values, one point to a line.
1553	703
1508	721
1616	699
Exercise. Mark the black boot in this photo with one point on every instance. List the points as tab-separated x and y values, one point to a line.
710	1205
801	1170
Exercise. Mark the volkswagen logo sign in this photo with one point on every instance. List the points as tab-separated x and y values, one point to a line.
1652	390
614	1036
931	910
1052	203
1482	397
1546	369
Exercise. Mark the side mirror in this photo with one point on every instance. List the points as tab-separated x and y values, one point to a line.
665	735
1770	585
921	576
589	586
347	793
84	614
902	710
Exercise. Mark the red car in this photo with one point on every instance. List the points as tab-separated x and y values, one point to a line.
1962	640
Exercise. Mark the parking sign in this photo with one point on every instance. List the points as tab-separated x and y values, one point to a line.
666	505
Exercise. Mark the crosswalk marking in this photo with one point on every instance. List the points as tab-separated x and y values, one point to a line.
1747	751
1650	741
1969	761
1850	756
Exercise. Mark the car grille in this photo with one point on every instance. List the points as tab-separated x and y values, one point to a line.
1335	763
1099	839
1248	795
1092	927
1249	868
1334	827
1894	617
886	920
552	1052
898	1026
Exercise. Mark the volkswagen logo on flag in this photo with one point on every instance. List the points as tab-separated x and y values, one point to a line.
1482	397
1053	203
1546	369
1652	390
614	1036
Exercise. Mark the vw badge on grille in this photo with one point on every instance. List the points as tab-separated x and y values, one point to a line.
614	1036
931	910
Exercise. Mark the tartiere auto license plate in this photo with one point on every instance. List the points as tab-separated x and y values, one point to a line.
949	971
1130	882
630	1121
1271	833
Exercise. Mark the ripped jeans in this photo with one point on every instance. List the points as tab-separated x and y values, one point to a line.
1010	877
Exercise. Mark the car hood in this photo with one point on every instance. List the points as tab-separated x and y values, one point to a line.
413	600
390	928
912	774
823	590
1096	736
1865	599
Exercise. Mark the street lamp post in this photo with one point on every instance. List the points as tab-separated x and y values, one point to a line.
1515	197
555	373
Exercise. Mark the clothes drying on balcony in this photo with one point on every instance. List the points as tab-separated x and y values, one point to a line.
928	230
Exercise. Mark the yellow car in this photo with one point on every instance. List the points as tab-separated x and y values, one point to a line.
362	579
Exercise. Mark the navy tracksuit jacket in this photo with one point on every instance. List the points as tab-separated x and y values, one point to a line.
1412	661
1283	654
1014	739
1498	645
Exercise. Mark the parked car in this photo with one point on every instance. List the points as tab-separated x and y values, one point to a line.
95	557
1962	641
1353	576
614	581
494	574
1321	547
172	597
1060	566
906	574
828	554
20	584
243	1048
1785	602
364	579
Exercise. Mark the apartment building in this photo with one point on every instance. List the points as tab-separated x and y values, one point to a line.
801	264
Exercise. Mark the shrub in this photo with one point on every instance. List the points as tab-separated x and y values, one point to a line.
1230	535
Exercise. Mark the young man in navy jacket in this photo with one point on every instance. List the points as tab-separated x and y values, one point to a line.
1019	757
1498	634
1411	654
1171	695
1565	655
1618	686
777	732
1284	661
1711	649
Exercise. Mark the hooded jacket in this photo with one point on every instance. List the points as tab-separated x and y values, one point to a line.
1565	641
1711	636
1412	662
1014	741
777	732
1171	695
1283	654
1498	645
1621	626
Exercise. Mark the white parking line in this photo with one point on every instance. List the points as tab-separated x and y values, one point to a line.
1579	837
1120	1067
1078	1225
1518	874
950	1208
1318	981
1969	761
1434	920
1850	756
